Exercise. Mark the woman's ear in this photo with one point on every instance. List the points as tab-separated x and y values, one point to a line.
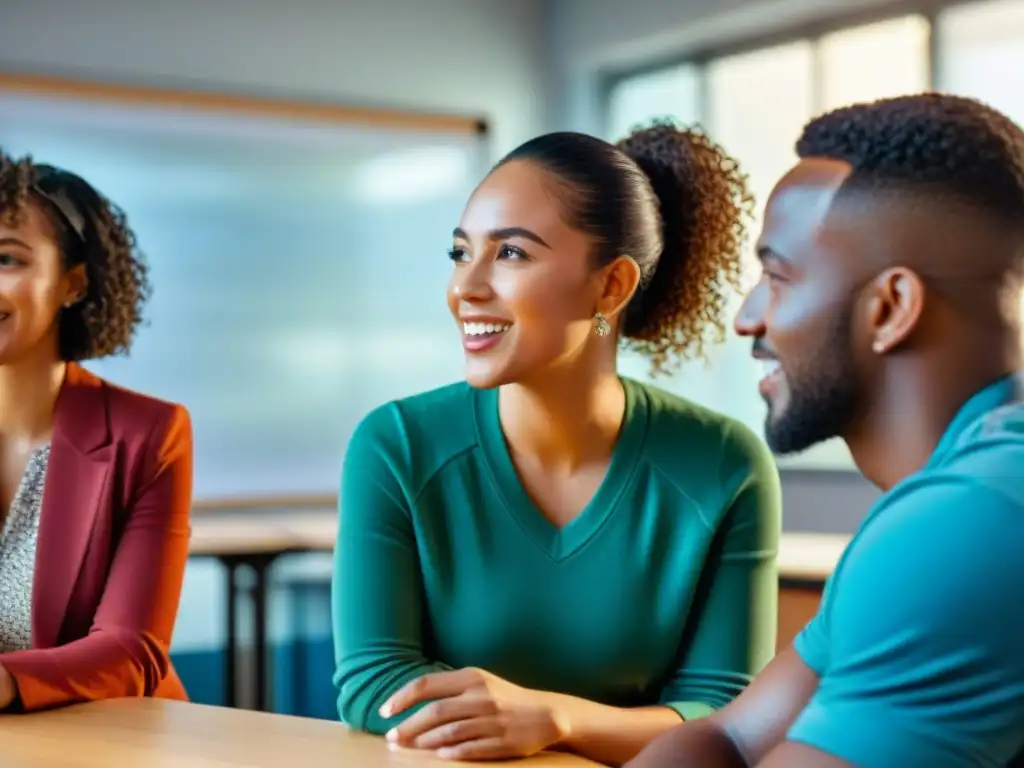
620	280
76	285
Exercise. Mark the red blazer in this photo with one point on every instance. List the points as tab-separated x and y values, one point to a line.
113	542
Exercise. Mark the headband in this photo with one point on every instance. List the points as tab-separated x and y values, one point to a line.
58	198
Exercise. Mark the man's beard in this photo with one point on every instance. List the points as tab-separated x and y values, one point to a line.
823	394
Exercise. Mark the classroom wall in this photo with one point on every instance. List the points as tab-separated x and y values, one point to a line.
467	56
527	65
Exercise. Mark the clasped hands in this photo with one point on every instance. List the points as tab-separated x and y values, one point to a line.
474	715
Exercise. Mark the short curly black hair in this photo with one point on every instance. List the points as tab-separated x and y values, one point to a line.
674	201
930	143
91	231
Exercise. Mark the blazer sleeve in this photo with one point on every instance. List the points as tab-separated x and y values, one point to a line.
126	653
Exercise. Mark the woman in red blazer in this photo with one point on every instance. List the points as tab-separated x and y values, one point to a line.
95	481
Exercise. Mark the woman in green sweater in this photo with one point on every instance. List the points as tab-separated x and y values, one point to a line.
549	555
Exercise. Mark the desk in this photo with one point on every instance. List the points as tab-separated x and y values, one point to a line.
131	733
802	556
257	539
809	558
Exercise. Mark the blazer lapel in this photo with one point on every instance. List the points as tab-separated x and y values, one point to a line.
76	488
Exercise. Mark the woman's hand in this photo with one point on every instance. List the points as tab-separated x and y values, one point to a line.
474	715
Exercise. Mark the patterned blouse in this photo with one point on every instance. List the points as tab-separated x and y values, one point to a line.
18	555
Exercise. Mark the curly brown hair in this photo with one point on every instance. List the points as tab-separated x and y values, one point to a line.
705	206
676	203
91	231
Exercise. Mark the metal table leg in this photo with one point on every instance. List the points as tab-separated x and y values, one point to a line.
260	565
260	598
231	649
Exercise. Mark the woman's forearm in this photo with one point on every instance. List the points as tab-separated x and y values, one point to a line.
610	735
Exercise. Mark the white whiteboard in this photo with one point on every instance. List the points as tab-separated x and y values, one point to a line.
299	272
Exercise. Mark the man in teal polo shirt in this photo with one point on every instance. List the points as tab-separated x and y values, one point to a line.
889	314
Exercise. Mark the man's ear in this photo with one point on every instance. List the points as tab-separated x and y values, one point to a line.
895	302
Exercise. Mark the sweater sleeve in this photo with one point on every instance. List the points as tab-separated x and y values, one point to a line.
377	589
734	621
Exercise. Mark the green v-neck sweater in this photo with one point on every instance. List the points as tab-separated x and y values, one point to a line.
663	590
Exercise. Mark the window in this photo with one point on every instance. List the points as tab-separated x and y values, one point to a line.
754	119
673	93
980	51
981	54
874	62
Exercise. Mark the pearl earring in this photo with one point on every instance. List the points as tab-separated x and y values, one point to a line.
601	325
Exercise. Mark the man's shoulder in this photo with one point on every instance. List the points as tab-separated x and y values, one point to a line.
991	452
962	514
919	629
937	550
982	468
1005	423
975	498
973	494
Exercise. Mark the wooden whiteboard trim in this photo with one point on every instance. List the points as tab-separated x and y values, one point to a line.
237	104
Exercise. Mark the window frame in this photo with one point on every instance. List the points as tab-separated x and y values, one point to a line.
813	31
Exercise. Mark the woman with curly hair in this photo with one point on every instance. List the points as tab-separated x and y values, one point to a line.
95	481
551	555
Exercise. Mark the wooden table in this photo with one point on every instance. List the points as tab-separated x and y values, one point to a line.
257	539
147	733
802	556
809	558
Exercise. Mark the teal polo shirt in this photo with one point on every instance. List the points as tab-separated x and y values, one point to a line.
919	640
